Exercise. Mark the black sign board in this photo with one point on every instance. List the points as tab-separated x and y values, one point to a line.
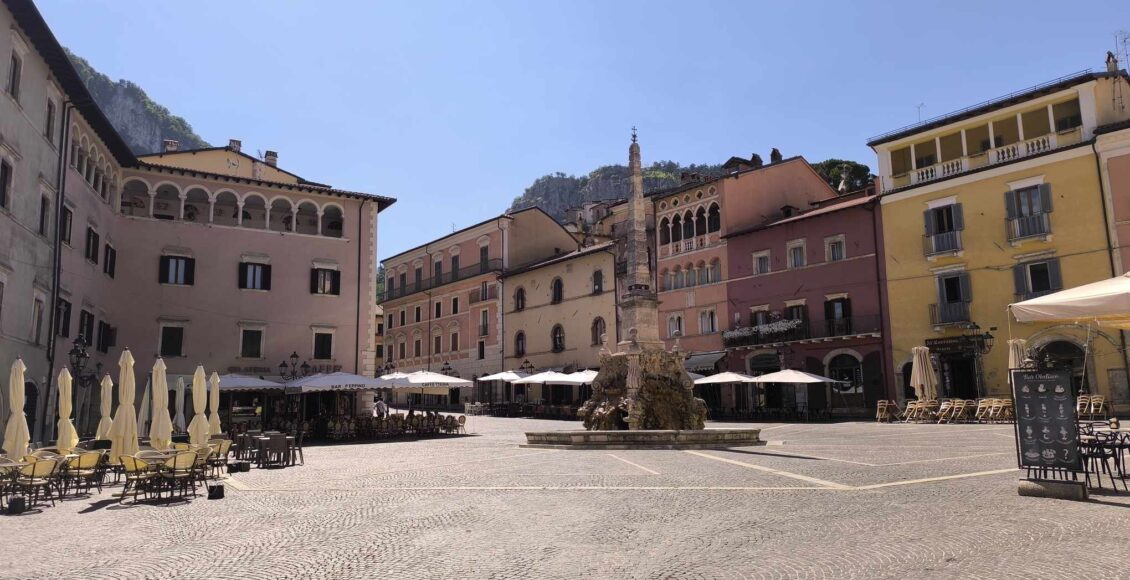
1046	434
954	344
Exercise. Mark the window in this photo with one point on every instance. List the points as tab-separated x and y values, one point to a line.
401	349
172	341
36	320
65	231
520	299
952	289
796	312
15	69
454	268
677	229
714	272
254	276
484	328
688	226
438	309
49	126
557	291
416	348
714	219
455	305
323	345
391	319
454	341
403	281
520	344
597	282
437	344
1033	279
326	282
86	325
834	249
664	232
1027	210
484	258
482	350
758	317
707	322
107	336
250	343
63	319
837	316
598	330
419	280
177	270
674	325
44	214
761	264
5	183
846	368
943	227
93	241
796	254
403	320
954	295
110	263
557	336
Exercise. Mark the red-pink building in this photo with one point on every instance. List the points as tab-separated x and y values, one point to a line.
804	293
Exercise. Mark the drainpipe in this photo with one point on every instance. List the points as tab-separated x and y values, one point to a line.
357	328
1109	241
56	266
880	256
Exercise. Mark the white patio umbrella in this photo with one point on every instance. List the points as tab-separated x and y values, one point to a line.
427	382
338	381
723	378
67	437
393	376
1017	352
198	428
504	376
123	434
161	430
794	377
1106	302
582	377
214	404
16	435
106	407
545	377
178	392
922	374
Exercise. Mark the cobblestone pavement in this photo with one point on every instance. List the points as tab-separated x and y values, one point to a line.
847	500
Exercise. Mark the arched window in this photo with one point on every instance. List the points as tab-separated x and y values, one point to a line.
664	231
557	291
520	299
691	277
520	344
700	222
598	329
665	280
715	272
846	368
688	226
714	219
597	282
557	335
679	280
676	229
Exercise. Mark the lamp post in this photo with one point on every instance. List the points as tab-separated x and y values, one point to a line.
290	370
77	359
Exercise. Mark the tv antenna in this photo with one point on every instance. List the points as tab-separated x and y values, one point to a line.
919	107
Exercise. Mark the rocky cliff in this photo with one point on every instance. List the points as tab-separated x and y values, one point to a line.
142	123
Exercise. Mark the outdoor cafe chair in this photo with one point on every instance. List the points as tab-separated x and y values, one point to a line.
462	425
178	473
296	450
1097	407
882	412
86	469
139	475
218	460
1098	451
39	477
1082	405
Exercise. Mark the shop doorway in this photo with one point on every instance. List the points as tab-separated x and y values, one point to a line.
1063	354
959	376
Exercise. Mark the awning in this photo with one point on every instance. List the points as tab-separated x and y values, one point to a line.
242	383
703	361
335	382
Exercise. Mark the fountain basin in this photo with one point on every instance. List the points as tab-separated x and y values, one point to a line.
644	439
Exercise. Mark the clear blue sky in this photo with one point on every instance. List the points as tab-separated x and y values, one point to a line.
455	107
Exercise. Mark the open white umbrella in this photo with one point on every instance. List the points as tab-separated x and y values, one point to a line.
16	435
794	377
214	404
582	377
106	406
338	381
198	428
922	374
161	430
393	376
545	378
723	378
123	435
1106	302
504	376
178	392
67	437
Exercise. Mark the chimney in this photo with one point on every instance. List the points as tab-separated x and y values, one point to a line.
271	158
774	156
1111	62
756	161
235	144
171	145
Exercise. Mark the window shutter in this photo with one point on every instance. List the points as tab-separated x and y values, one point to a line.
313	280
242	275
928	216
941	290
266	276
1010	205
163	270
336	282
190	271
1054	275
1046	196
829	310
966	288
958	217
847	308
1020	279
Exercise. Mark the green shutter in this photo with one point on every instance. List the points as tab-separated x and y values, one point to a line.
242	276
1020	279
1046	196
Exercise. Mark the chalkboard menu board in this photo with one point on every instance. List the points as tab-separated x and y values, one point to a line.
1045	419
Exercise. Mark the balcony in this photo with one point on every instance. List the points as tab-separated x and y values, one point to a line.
790	330
480	268
484	329
943	243
478	296
1033	226
949	313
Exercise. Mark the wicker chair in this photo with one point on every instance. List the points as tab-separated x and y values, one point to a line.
139	476
462	422
179	473
1097	407
87	469
39	477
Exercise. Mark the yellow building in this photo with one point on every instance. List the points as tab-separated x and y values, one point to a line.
556	312
972	223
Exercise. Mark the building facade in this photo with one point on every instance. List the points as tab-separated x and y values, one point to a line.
991	205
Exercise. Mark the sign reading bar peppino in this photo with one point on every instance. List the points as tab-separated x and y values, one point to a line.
1045	419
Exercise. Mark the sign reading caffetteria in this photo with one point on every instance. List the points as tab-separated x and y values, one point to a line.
953	344
1045	419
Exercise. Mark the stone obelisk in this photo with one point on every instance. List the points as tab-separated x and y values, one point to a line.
639	309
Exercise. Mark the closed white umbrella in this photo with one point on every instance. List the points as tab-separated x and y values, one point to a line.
123	434
198	428
106	406
16	435
161	430
214	405
922	374
178	421
68	437
1017	352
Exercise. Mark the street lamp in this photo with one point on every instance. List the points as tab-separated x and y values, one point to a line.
288	371
982	341
527	367
78	357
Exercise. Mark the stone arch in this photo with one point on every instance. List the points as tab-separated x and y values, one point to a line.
91	160
664	231
333	220
225	208
700	221
254	211
690	274
306	217
676	228
714	218
1066	348
197	204
135	197
166	201
280	214
688	225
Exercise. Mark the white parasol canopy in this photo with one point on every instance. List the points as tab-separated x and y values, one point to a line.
922	376
123	434
791	376
1106	302
198	428
547	378
335	382
427	382
106	406
67	437
582	377
235	382
178	392
393	376
16	435
504	376
161	429
723	378
214	404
